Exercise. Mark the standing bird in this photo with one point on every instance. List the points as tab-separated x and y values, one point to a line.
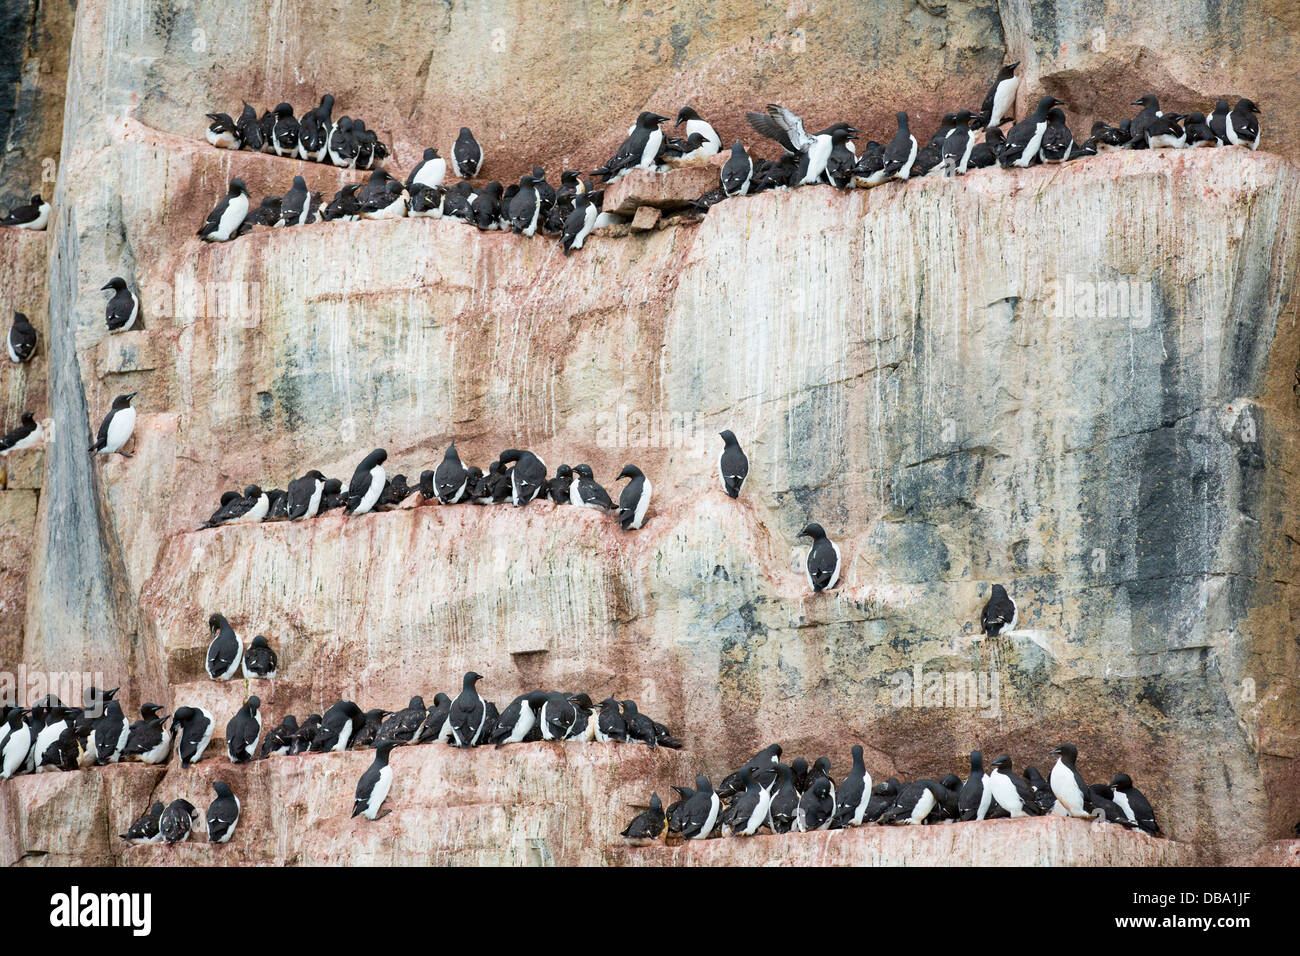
578	223
1000	101
737	172
699	813
1218	121
1073	799
1025	138
123	306
647	826
284	132
638	151
225	649
373	787
634	500
35	215
305	495
468	713
1058	143
450	478
852	796
111	733
733	465
518	719
696	124
782	813
177	821
1242	127
1149	113
116	428
194	724
295	205
243	731
147	828
466	155
314	130
223	814
527	478
259	660
584	492
558	488
1105	808
610	725
816	807
228	215
21	340
278	741
901	152
1011	791
148	738
1134	804
429	171
403	724
823	563
750	810
956	149
367	483
999	613
973	798
337	728
249	130
223	132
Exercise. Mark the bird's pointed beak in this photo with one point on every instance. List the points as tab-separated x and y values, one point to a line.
106	287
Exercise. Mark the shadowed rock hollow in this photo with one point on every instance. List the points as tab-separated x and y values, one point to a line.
1080	382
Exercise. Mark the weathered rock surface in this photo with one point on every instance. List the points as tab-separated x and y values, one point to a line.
943	374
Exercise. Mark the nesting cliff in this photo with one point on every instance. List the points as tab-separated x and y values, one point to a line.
1081	382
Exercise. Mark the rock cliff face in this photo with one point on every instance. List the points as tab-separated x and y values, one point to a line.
1080	382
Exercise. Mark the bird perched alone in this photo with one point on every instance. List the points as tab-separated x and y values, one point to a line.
117	428
999	613
733	465
21	340
823	563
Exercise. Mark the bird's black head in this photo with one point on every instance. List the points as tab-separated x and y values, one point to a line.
1002	762
216	621
702	784
1247	105
283	109
1008	71
117	284
29	419
1121	782
902	119
1046	103
1067	752
472	678
650	120
222	789
253	703
630	471
253	491
123	401
237	187
1147	102
728	436
684	114
812	530
259	641
564	471
963	117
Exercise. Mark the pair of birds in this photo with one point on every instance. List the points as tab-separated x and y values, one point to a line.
646	146
174	823
33	214
227	653
53	736
764	792
316	137
114	431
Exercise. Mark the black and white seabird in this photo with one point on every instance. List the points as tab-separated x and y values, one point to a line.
250	507
111	733
34	215
1149	113
610	725
1218	121
816	807
901	152
639	726
787	128
367	483
699	814
518	719
1133	803
762	765
638	151
225	649
177	821
558	488
284	134
999	613
1026	137
737	172
295	205
148	739
435	728
1010	791
1073	799
243	731
956	149
373	787
223	132
402	725
305	495
527	477
697	124
450	478
578	223
467	713
914	803
123	308
853	794
146	829
634	499
429	171
557	716
259	661
21	340
278	741
1165	132
116	428
1042	789
973	798
585	492
1058	144
1242	127
750	810
648	825
466	155
223	814
314	129
783	810
883	797
1107	137
336	730
228	215
1105	808
823	563
733	465
1000	101
195	725
1198	131
19	738
249	130
28	434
